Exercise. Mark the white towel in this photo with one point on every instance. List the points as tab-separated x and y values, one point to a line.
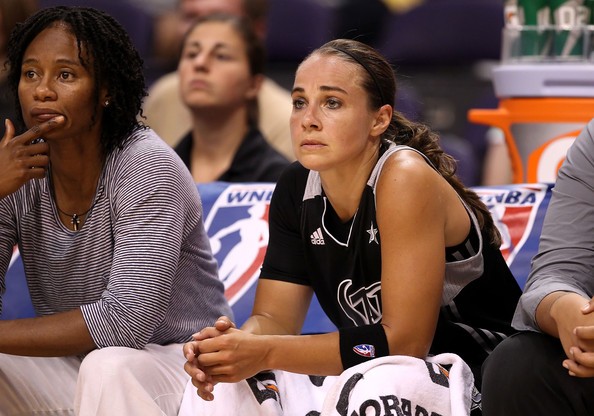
401	385
398	385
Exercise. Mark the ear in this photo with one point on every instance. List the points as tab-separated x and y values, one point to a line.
254	89
260	27
382	120
104	97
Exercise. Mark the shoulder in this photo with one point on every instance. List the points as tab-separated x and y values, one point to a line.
287	198
407	169
576	173
294	174
146	155
583	144
275	106
291	184
145	144
270	155
167	84
409	185
271	89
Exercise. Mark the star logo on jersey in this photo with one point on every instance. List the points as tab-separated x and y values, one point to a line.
372	234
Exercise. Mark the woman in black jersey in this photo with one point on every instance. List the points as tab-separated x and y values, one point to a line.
403	258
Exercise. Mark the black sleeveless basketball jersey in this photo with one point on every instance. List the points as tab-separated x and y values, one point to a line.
342	263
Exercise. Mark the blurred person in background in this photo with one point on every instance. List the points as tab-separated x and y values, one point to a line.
221	70
11	12
164	109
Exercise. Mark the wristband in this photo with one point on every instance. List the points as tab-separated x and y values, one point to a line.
359	344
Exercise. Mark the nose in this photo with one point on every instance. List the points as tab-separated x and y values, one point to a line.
44	91
201	61
310	119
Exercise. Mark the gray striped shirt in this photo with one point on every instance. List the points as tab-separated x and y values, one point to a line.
140	268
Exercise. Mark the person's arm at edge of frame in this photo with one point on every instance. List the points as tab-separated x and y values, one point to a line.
565	312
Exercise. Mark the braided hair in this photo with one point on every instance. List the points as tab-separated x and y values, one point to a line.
109	55
379	82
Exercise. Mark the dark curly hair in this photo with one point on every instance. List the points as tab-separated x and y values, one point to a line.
110	55
379	81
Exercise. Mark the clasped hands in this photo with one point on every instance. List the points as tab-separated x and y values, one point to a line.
575	324
222	353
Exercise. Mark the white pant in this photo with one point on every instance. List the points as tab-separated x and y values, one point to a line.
109	381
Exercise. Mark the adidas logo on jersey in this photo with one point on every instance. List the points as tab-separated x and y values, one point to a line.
317	239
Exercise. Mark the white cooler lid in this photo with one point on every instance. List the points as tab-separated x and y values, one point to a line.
544	80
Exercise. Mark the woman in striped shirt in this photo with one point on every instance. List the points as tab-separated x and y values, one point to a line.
109	226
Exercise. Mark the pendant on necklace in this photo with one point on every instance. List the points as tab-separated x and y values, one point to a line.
75	221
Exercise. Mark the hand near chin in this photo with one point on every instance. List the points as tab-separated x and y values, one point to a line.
21	158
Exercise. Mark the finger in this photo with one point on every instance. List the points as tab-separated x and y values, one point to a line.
588	307
583	358
220	373
41	148
190	350
227	378
224	323
212	345
585	333
206	333
205	395
225	320
196	374
206	386
39	130
38	161
576	370
36	173
204	389
190	368
8	130
207	359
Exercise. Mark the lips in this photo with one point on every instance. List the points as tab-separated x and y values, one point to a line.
198	84
43	114
312	143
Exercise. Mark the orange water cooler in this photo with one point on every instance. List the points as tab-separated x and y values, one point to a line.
542	108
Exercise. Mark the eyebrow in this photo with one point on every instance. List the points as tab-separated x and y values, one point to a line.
59	61
218	45
322	88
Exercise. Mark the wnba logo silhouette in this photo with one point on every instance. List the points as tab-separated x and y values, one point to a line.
515	210
237	225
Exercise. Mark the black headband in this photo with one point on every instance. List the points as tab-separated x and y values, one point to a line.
373	77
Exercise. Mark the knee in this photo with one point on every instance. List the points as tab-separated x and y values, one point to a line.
505	370
521	370
110	363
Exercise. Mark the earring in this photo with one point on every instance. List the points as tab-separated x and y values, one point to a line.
106	103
